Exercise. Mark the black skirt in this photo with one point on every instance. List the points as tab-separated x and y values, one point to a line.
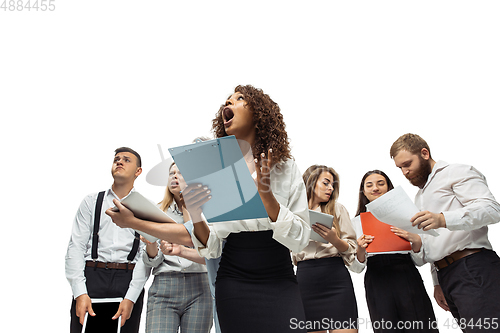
396	295
256	289
328	294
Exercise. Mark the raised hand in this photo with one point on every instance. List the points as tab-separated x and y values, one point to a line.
195	196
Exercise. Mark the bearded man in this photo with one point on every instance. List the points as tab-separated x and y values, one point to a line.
455	200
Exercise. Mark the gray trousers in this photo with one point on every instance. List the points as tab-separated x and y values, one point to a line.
179	300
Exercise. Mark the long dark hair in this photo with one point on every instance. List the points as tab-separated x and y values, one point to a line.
363	200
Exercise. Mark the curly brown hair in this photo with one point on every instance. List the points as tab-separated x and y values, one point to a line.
270	130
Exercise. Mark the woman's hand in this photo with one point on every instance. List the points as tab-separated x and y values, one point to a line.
151	247
365	240
263	168
330	235
363	243
195	196
170	249
414	239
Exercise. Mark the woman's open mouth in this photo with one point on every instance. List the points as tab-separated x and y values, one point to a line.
227	116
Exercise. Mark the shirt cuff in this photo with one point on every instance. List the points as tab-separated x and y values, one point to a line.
152	262
434	274
291	231
356	266
211	249
418	257
79	289
189	227
133	294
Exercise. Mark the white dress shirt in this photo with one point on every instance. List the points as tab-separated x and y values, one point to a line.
461	193
164	263
114	246
292	225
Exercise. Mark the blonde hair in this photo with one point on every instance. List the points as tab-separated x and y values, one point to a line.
168	198
412	143
311	177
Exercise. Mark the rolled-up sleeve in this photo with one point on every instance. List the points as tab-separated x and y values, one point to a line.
213	248
356	266
292	227
152	262
418	257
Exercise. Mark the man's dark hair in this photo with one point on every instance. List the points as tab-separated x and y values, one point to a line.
130	150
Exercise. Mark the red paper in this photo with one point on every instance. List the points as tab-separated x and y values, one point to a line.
385	240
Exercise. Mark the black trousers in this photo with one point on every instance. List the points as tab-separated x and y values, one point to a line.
472	290
396	296
109	283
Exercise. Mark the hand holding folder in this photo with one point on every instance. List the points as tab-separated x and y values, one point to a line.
219	165
385	241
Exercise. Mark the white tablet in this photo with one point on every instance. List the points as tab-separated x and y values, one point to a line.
105	309
146	210
322	218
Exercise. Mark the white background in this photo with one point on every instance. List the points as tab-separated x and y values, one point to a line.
350	78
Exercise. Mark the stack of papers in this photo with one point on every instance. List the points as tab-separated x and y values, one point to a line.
396	208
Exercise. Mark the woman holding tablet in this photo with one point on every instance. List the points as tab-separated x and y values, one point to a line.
324	282
179	296
395	293
256	288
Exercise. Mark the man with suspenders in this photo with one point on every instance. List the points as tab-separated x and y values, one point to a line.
103	260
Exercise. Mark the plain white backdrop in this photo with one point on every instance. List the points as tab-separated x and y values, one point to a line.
350	78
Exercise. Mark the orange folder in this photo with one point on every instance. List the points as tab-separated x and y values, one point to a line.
385	240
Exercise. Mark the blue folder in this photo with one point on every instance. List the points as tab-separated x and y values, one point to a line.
219	164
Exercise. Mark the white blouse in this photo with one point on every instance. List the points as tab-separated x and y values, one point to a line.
163	263
292	225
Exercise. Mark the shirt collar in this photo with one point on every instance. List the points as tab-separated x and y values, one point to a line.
110	191
175	208
440	165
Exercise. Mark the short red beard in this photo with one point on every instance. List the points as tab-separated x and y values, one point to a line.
422	173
